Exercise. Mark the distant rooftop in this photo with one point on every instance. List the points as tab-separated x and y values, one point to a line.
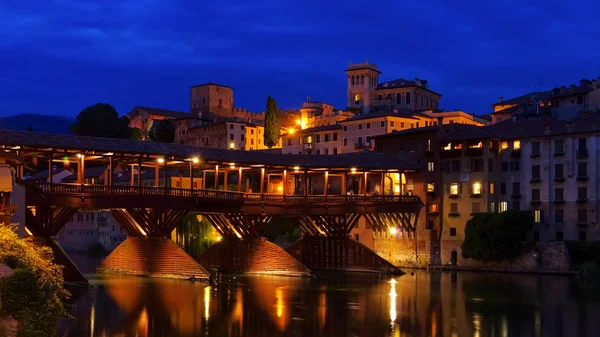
163	112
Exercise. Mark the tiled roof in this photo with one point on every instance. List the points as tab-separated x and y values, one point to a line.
156	149
407	132
467	132
402	83
320	129
543	96
566	92
43	174
164	112
91	172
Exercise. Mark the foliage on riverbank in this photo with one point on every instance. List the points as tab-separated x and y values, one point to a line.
34	294
195	234
497	236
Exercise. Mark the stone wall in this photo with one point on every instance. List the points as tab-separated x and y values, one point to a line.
401	251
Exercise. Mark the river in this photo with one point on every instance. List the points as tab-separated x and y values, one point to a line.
444	304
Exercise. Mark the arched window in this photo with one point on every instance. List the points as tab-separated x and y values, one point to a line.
398	98
362	79
357	99
352	81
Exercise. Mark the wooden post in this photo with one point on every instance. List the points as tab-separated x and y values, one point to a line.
284	182
239	179
268	181
365	184
50	164
326	183
110	171
262	180
306	183
165	175
139	177
225	174
382	184
156	176
191	175
203	179
216	176
180	179
131	175
82	169
345	183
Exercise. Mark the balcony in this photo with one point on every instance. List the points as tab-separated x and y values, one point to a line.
536	202
535	154
582	153
581	224
308	146
456	153
380	102
582	178
474	152
559	179
582	200
476	195
559	153
515	153
535	180
559	201
515	196
454	196
454	214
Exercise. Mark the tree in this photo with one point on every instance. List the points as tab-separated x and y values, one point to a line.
272	124
496	236
101	120
163	131
195	234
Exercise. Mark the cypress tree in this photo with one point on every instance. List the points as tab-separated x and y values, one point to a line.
272	123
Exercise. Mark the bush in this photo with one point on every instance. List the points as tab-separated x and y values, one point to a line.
496	236
34	294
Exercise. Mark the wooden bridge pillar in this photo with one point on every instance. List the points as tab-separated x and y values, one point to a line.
44	223
243	249
148	250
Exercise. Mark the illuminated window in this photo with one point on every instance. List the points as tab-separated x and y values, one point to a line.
503	206
454	189
477	188
537	216
476	146
430	187
357	99
516	145
491	188
431	166
504	145
448	147
433	208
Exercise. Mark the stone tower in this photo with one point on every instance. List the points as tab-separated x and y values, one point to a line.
362	81
211	100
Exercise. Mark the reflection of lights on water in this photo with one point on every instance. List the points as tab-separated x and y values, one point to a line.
538	327
279	296
393	295
143	323
238	310
504	327
322	309
207	302
92	320
476	325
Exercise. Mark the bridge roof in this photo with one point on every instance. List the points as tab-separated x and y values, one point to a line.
57	143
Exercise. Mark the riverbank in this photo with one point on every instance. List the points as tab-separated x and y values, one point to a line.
501	270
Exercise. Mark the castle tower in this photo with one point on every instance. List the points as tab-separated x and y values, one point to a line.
211	100
362	81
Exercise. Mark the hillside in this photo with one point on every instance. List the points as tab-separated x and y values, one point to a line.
39	123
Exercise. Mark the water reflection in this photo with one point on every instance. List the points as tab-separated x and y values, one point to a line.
426	304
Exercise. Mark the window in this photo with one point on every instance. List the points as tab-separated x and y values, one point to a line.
502	188
335	150
318	151
231	126
289	141
360	126
431	166
231	136
241	127
454	207
492	208
504	145
582	169
535	148
582	143
535	172
475	208
559	215
430	187
252	131
537	216
360	141
408	98
456	166
516	145
490	165
326	137
558	146
345	128
558	194
318	138
326	151
345	141
454	189
382	124
514	166
582	215
582	193
401	125
476	188
335	136
492	188
392	123
504	166
477	165
558	171
535	194
242	138
452	231
579	99
559	234
502	206
252	141
516	189
398	98
433	208
516	204
368	125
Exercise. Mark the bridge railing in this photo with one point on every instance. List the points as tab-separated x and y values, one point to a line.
101	190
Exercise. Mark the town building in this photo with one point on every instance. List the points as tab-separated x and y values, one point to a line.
314	114
560	103
547	166
316	140
366	94
140	115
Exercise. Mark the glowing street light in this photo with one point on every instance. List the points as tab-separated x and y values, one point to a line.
232	145
195	160
393	231
291	131
160	160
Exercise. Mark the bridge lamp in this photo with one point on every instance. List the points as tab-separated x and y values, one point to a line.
160	160
232	166
79	155
296	168
353	170
393	230
195	160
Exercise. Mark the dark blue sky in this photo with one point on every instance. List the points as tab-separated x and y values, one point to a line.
59	56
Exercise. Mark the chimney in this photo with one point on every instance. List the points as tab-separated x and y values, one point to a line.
500	99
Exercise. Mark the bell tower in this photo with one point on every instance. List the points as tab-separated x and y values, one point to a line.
362	81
